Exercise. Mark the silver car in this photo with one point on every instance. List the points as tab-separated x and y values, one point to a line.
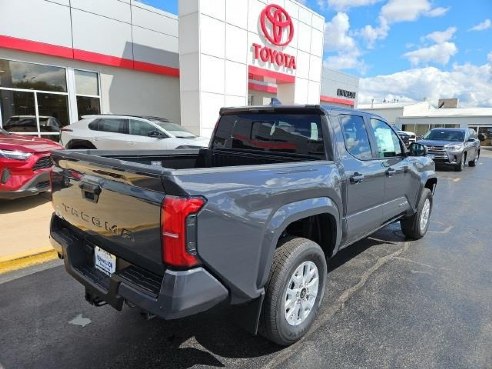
127	132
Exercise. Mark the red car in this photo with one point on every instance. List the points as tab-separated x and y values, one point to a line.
25	165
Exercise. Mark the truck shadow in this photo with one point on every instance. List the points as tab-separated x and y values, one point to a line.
390	235
215	338
25	203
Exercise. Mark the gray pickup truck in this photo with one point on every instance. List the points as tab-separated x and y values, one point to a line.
249	221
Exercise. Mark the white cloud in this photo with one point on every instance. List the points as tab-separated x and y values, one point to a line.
440	37
371	34
407	11
471	84
395	11
438	53
486	24
338	40
336	33
345	60
342	5
437	12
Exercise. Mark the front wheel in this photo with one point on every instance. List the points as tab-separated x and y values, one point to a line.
415	226
473	163
294	290
461	165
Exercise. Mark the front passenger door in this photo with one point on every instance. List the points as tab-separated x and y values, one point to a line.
364	179
139	134
401	183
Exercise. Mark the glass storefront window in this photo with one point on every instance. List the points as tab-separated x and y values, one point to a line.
486	134
16	105
29	76
34	98
86	83
54	106
87	89
88	105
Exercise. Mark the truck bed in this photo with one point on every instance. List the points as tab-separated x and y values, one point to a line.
188	159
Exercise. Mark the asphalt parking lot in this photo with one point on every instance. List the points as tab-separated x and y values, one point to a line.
388	303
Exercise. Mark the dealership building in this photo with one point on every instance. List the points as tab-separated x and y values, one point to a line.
68	58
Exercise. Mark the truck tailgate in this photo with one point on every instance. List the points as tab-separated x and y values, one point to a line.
116	209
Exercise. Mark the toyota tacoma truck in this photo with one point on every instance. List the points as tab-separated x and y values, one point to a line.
249	221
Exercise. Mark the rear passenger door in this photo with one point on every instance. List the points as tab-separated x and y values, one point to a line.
364	178
113	134
401	184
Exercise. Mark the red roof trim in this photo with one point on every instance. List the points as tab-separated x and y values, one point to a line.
279	77
337	100
263	88
35	47
43	48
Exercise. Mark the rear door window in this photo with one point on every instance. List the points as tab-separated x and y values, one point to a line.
299	134
355	136
113	125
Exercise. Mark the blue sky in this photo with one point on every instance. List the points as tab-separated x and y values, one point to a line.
407	49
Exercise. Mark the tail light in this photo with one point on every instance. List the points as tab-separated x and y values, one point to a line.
178	227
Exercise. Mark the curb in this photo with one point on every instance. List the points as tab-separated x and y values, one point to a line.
23	260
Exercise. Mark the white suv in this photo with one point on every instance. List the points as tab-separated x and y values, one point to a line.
126	132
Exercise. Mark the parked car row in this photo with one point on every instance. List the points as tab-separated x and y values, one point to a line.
406	136
25	164
123	132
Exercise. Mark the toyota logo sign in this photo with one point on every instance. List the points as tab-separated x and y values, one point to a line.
277	25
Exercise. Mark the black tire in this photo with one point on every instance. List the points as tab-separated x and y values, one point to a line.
411	226
291	254
473	163
461	165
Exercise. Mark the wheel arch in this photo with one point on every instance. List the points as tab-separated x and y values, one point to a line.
306	218
79	143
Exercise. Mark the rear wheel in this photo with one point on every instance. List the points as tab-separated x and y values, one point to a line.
294	290
416	226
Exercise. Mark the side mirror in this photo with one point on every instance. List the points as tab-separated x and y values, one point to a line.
471	140
155	134
416	149
481	137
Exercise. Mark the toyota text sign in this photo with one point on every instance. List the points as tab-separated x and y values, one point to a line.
278	29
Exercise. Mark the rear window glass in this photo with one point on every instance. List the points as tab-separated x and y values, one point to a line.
283	133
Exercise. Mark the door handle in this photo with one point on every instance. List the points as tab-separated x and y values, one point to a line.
356	178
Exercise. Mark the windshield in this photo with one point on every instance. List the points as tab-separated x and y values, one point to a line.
445	135
174	129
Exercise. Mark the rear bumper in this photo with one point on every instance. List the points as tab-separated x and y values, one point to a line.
174	295
38	183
